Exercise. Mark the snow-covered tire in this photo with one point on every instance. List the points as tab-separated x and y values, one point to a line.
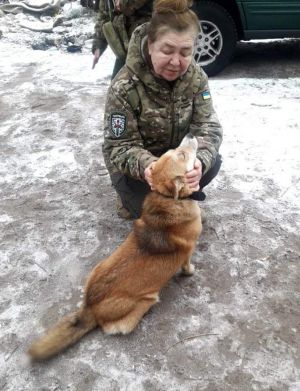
217	39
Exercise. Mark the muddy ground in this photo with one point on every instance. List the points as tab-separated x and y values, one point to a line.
234	325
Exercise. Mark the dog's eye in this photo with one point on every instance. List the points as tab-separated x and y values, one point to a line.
181	155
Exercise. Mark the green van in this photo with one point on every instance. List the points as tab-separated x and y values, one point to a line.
224	22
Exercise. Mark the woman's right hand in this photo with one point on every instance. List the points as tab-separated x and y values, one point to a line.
97	55
148	174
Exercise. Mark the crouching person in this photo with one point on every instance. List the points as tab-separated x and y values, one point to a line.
158	97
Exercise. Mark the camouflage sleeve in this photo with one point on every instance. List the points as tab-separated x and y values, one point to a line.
123	147
206	126
99	41
128	7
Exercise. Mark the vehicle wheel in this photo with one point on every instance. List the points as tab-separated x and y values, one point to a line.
217	39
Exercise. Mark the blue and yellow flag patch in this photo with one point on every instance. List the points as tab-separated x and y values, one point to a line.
205	95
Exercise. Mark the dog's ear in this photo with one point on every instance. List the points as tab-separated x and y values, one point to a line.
174	186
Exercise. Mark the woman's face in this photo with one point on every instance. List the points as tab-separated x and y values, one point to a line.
171	54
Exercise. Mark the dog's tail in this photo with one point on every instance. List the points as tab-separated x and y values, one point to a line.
68	331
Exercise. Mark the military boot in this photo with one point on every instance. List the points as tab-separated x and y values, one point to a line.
121	210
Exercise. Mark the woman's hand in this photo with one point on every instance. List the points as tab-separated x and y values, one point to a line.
193	177
148	174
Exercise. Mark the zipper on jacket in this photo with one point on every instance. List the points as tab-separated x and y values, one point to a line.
172	119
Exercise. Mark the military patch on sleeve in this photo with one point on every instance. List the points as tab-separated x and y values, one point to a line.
118	124
205	95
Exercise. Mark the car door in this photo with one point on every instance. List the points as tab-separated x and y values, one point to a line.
271	15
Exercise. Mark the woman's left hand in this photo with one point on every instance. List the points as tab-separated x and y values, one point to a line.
193	177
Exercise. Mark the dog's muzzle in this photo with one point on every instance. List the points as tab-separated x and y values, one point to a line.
189	141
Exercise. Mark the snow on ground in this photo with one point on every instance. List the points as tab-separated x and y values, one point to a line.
235	324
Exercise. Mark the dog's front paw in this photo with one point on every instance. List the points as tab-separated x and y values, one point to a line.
188	270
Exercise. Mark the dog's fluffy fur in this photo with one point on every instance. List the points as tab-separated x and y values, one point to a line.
122	288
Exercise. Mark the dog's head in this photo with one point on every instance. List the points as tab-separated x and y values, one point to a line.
168	174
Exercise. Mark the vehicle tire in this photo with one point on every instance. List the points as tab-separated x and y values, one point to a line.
217	39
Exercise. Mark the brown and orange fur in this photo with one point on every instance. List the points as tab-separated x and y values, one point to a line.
122	288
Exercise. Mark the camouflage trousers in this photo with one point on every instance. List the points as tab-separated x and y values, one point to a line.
133	192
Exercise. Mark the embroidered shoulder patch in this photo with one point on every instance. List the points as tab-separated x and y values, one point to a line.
205	95
118	124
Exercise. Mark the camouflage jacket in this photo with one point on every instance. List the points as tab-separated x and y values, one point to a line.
145	116
136	12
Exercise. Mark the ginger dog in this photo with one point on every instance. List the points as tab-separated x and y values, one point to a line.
122	288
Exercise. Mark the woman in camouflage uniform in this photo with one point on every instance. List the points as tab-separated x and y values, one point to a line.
125	16
158	97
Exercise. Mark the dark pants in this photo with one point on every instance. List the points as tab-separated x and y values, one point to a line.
133	192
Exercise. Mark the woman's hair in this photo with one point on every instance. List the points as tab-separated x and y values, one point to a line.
172	15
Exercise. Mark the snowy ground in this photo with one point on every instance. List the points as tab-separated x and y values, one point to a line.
233	326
